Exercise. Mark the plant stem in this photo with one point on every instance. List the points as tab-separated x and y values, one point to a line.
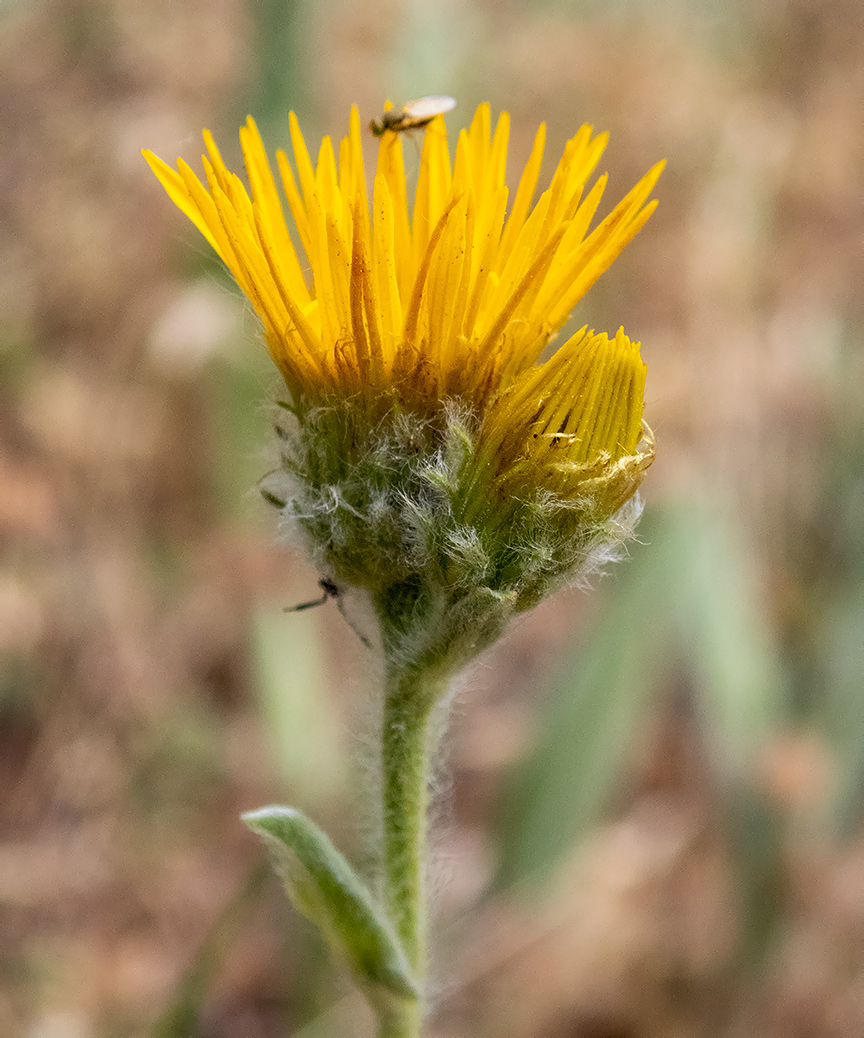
410	696
400	1022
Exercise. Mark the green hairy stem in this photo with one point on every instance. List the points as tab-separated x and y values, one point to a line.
406	749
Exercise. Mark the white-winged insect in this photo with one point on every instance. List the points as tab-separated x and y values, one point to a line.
412	116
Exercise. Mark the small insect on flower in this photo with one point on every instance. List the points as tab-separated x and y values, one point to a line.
557	439
411	116
331	590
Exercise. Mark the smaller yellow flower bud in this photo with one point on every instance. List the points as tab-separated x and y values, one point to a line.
568	428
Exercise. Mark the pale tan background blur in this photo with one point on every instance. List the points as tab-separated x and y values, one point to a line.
656	825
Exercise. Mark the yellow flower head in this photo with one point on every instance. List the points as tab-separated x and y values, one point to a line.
438	314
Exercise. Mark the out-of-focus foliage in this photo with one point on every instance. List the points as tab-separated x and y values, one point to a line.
682	611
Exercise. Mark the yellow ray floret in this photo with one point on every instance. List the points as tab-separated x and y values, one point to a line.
455	298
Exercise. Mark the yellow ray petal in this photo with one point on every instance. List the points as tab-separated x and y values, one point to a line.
179	194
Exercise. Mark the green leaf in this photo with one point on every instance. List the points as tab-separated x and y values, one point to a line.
322	886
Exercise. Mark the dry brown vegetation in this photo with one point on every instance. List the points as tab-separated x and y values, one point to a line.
151	689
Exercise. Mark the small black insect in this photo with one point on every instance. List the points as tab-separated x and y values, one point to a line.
331	590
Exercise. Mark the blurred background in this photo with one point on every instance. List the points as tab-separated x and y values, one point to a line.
655	818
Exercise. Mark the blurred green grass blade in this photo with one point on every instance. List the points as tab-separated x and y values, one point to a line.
431	46
728	647
297	709
833	596
236	426
282	29
179	1018
732	659
592	714
755	830
839	707
684	602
